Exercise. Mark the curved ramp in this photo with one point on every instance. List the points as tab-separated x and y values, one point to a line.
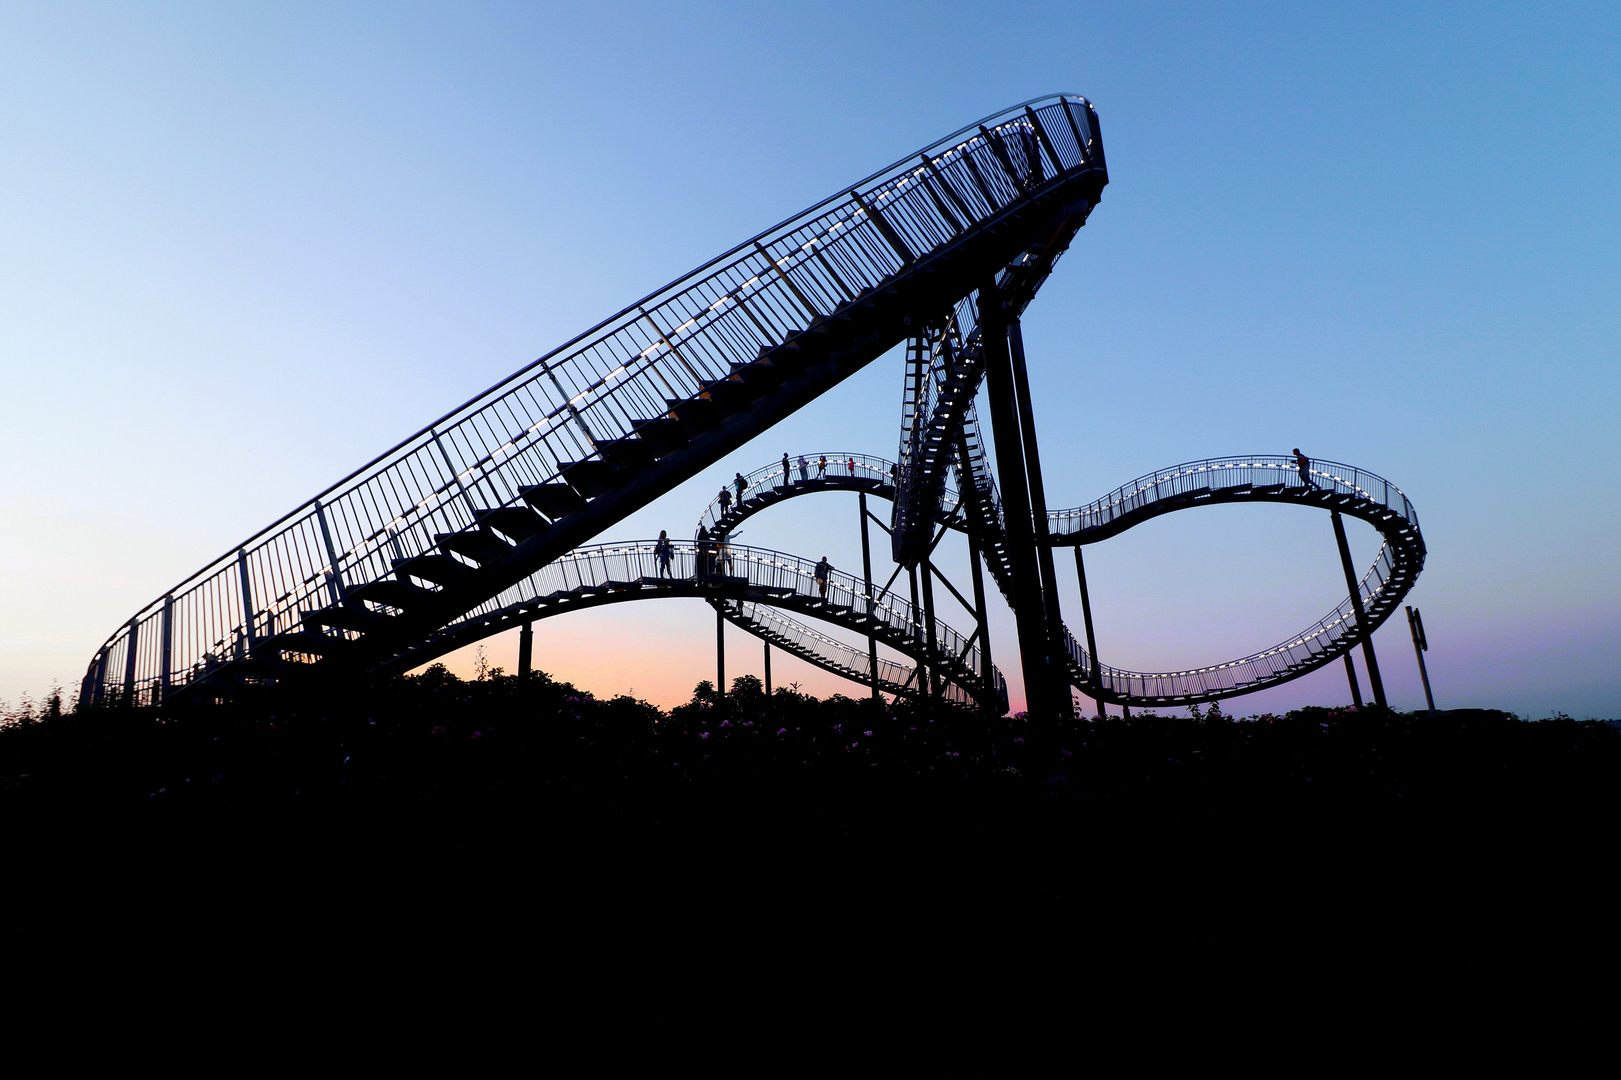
358	577
743	580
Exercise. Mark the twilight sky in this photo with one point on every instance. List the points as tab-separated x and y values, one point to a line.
244	248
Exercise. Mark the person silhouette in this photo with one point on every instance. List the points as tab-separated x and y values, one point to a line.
786	480
804	469
822	569
1303	465
663	552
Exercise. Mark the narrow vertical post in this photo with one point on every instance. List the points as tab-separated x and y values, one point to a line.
247	599
167	653
987	669
1356	688
866	577
1361	615
1028	610
526	649
929	637
1038	513
129	660
1421	645
922	660
1095	670
720	656
767	645
467	500
334	580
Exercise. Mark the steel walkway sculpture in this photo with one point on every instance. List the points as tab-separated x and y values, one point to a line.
467	527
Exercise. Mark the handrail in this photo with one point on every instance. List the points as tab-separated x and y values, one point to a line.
595	389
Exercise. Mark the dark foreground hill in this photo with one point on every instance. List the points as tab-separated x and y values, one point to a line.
431	802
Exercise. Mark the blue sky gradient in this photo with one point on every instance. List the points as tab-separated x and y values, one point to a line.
248	247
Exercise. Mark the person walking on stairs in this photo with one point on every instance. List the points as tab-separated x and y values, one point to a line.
739	483
1303	464
822	569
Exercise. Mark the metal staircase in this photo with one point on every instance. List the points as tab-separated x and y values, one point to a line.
514	479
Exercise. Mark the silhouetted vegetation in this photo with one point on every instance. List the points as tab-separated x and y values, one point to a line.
431	783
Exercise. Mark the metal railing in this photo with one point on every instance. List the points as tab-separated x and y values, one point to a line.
1232	476
620	565
594	390
841	466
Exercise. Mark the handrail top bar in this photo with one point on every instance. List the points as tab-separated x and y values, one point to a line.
1009	113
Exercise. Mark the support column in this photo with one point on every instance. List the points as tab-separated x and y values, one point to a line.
922	660
1361	615
1421	645
526	649
929	637
720	656
767	645
247	599
1028	610
1095	671
1356	688
866	577
1038	514
986	668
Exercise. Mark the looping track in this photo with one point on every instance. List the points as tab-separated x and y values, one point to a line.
457	530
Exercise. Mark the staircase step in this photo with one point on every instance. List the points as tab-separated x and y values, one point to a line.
480	545
308	642
591	477
396	594
663	435
552	500
518	523
439	569
697	414
629	454
344	616
731	396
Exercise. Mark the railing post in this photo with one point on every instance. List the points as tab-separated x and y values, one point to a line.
467	499
334	581
1361	615
129	660
247	599
167	652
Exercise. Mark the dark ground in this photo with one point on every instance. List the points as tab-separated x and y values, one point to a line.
433	810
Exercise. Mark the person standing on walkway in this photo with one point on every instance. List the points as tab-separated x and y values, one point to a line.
703	566
804	469
739	483
663	552
786	479
1303	464
850	466
821	466
821	576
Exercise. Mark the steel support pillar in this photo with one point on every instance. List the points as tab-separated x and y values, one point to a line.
1421	645
1029	612
767	645
1350	676
720	655
130	649
866	578
1038	514
986	668
526	649
923	658
929	638
1361	616
1095	670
